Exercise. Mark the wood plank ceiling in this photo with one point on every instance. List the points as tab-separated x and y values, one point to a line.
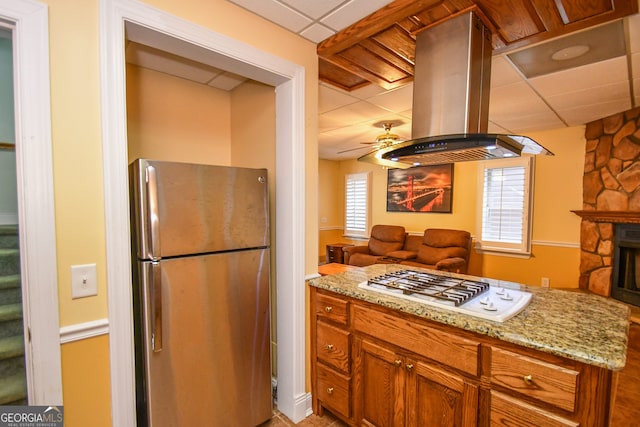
380	48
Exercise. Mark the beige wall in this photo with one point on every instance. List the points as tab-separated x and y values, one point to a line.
556	231
77	161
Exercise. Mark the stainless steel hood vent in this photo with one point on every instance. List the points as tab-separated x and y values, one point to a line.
451	101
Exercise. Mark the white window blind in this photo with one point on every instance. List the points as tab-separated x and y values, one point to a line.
356	204
506	197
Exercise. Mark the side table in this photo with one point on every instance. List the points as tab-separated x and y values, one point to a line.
334	252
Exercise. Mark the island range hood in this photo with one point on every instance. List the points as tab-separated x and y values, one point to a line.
452	78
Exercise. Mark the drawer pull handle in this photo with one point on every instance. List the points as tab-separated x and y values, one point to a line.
328	309
330	390
528	379
409	367
329	347
398	362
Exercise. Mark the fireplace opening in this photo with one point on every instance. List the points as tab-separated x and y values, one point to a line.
626	264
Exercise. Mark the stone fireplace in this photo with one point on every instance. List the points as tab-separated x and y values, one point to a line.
611	194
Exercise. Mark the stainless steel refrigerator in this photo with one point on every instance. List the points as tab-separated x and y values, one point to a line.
201	294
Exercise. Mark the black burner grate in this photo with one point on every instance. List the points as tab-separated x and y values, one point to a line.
410	282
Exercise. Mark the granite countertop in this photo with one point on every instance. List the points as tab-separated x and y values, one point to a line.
568	323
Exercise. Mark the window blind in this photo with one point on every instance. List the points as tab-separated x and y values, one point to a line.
506	200
357	204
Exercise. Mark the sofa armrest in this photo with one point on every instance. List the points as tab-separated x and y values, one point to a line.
348	250
403	255
453	265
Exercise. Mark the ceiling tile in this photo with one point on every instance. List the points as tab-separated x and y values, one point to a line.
595	95
587	113
330	99
368	91
317	32
327	124
357	113
529	123
276	12
589	76
395	100
352	12
514	100
503	72
314	8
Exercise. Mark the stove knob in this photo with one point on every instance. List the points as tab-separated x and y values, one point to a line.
507	297
485	301
490	307
499	291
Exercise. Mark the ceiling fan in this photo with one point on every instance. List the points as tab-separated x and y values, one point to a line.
383	140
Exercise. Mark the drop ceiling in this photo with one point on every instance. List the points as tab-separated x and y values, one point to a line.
351	115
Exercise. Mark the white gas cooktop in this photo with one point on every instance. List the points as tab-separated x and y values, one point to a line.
473	297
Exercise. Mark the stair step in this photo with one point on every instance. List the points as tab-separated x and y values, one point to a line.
9	236
13	388
11	347
10	291
9	262
10	281
10	312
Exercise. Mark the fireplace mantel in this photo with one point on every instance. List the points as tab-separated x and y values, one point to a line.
620	217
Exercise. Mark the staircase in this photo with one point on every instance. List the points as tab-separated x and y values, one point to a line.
13	387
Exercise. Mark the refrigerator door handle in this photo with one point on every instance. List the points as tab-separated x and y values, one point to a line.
152	213
155	302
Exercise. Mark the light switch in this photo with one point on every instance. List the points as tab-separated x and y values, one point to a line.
83	281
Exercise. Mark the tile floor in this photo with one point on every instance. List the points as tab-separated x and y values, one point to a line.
327	420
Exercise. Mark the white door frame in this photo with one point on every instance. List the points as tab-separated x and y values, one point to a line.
36	214
289	81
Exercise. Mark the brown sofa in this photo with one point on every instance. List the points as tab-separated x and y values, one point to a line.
438	249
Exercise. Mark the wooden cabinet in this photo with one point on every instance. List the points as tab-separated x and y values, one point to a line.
334	252
374	366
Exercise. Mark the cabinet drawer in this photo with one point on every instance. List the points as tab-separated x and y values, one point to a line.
332	346
332	308
507	411
334	390
540	380
451	350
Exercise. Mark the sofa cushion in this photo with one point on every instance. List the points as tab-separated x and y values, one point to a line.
431	255
386	238
442	238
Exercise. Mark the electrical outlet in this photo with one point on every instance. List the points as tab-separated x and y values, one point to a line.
545	282
83	281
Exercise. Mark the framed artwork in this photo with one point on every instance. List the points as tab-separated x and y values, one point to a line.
420	189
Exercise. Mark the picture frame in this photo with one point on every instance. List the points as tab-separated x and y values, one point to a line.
425	189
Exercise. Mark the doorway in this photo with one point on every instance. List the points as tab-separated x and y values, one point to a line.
28	23
13	389
242	59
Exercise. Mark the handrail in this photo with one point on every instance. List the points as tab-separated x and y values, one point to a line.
7	146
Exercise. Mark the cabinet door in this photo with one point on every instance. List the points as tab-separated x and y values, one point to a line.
437	398
379	385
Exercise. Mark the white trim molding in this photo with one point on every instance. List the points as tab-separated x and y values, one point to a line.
242	59
82	331
34	171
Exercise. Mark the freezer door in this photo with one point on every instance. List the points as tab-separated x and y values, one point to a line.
213	365
184	209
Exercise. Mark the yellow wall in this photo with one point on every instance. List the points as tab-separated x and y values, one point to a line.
169	118
85	375
556	231
77	163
